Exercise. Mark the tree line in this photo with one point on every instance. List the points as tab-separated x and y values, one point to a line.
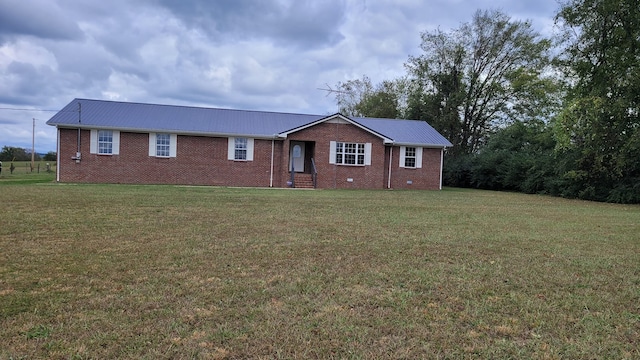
526	113
11	153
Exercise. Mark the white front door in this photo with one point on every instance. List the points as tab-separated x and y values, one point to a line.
297	156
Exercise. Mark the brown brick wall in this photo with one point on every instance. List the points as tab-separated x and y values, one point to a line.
425	178
199	161
203	161
335	176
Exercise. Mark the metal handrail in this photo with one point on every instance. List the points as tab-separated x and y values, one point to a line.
315	173
292	179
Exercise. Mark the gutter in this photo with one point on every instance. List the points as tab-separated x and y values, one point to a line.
428	146
172	131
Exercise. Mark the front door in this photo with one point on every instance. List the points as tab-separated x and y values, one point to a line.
296	154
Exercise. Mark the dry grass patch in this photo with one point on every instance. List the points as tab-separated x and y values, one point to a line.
108	271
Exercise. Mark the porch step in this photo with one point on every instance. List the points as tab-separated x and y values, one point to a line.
304	181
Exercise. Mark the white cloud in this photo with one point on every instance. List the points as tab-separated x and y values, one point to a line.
266	55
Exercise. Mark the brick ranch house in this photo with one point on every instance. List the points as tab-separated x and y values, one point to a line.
135	143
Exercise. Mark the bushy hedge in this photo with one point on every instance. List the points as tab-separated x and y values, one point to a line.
523	158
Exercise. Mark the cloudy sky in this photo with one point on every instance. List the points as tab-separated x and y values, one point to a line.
271	55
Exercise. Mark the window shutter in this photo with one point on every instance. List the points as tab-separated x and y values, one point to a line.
332	152
173	145
152	144
231	148
249	149
403	152
367	153
418	157
93	142
115	149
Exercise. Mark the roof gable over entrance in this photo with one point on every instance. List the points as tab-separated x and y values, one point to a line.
140	117
338	118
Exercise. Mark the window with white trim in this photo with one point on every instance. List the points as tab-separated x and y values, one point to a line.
240	149
344	153
349	153
105	142
410	157
163	145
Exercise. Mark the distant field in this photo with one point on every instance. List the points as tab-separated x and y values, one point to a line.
119	271
22	172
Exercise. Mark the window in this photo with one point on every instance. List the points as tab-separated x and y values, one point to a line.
349	153
240	149
163	145
343	153
105	142
410	157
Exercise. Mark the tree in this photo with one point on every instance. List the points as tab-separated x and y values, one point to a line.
361	98
518	157
436	91
10	153
599	129
484	74
50	156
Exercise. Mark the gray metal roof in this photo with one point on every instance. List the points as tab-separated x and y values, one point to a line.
140	117
406	132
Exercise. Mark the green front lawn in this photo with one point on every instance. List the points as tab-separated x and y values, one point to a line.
120	271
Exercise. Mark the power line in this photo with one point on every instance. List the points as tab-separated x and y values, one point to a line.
19	109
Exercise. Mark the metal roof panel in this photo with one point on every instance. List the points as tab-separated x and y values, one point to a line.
406	132
216	121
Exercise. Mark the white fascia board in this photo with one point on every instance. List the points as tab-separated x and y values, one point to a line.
170	131
430	146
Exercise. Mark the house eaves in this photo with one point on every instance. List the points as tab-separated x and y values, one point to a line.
172	131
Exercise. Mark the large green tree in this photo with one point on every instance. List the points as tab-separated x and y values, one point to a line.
361	98
11	153
482	75
599	129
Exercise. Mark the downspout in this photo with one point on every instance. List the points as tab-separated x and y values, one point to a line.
271	172
57	154
390	162
441	165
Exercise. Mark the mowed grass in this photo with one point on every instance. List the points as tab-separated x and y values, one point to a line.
118	271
